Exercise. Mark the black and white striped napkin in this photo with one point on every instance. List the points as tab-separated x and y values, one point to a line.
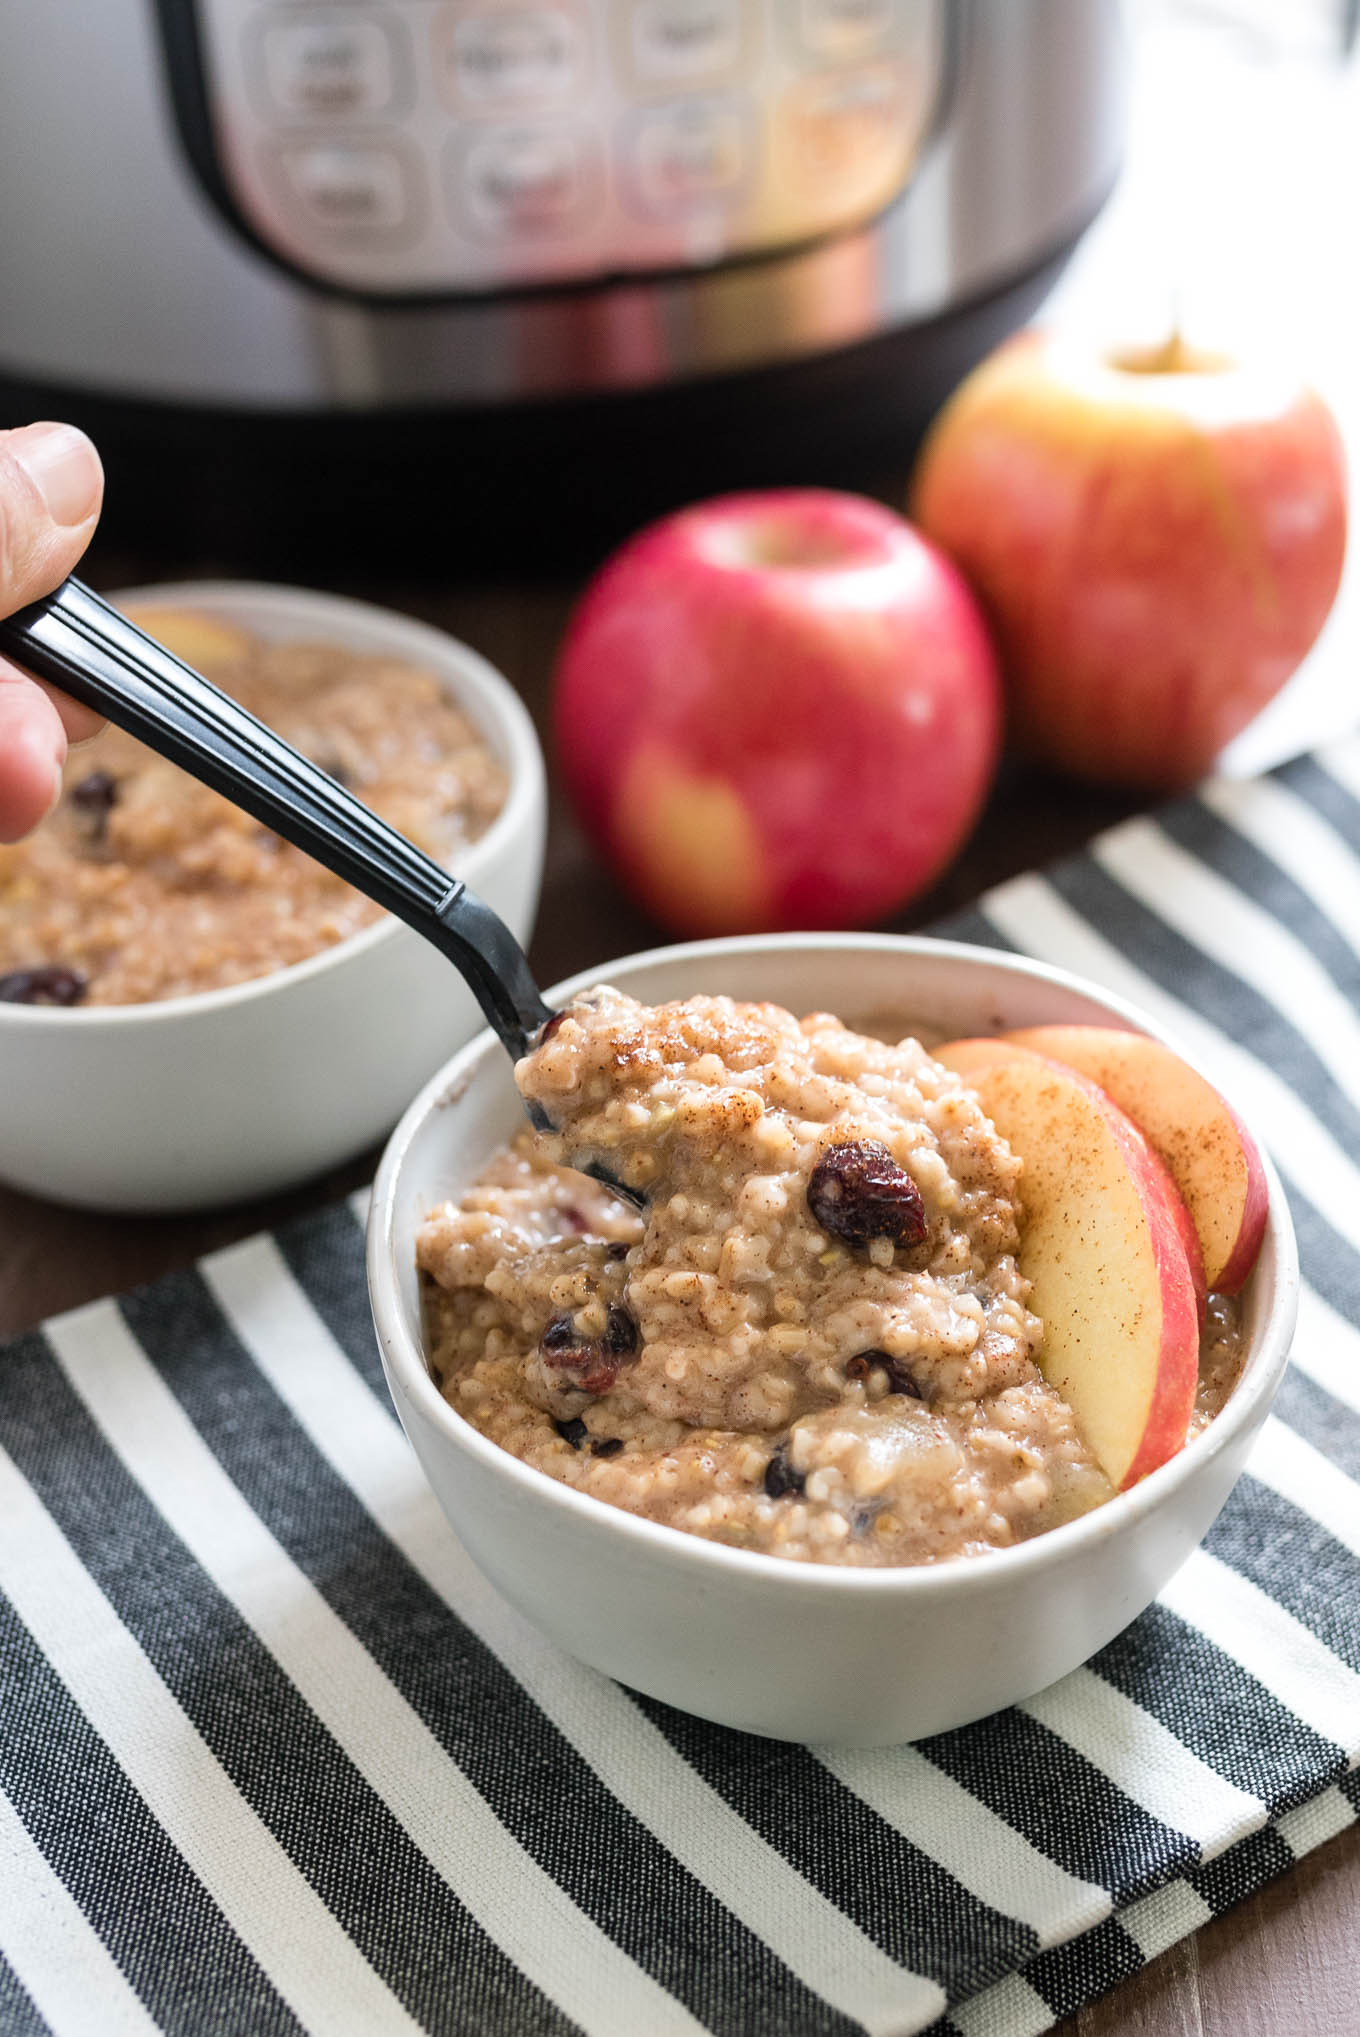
274	1758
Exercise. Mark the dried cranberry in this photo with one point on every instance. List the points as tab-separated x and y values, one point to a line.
780	1476
549	1028
858	1192
573	1432
573	1218
621	1333
589	1365
93	798
96	792
608	1446
47	985
899	1377
598	1371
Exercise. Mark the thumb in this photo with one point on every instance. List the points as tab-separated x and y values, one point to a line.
51	487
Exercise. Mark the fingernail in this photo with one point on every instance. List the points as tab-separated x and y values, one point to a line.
64	468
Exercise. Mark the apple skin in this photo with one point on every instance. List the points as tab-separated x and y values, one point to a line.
1211	1156
1098	1051
1103	1248
1190	1245
777	710
1156	545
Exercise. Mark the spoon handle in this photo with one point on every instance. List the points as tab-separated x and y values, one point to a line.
90	651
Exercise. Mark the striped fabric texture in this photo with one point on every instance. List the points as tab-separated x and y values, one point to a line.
274	1758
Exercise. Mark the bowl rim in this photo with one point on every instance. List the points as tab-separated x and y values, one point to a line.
485	693
1247	1406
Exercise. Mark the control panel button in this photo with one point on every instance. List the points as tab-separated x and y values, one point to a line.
350	185
689	154
850	129
491	61
684	42
842	30
471	146
848	139
523	180
330	69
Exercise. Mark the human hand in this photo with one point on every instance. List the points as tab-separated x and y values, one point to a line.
51	488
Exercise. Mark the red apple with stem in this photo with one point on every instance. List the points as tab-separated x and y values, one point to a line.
777	709
1156	537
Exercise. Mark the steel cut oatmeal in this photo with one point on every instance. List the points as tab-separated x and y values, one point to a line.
813	1338
143	884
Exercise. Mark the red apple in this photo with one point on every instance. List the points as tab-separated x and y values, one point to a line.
1211	1156
1156	537
1102	1247
777	710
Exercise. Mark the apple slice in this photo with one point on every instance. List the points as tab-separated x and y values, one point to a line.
1102	1247
1190	1245
977	1051
1211	1156
201	640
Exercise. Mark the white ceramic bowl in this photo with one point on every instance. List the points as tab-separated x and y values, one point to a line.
800	1651
231	1093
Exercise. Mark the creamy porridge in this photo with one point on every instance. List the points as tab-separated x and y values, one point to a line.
1221	1351
813	1338
143	884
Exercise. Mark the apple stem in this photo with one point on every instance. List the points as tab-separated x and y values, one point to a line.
1172	356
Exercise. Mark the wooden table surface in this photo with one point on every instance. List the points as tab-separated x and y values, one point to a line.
1284	1964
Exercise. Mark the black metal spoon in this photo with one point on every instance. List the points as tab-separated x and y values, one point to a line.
90	651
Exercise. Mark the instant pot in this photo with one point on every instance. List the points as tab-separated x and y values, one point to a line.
559	262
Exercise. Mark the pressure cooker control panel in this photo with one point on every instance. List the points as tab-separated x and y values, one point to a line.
433	147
